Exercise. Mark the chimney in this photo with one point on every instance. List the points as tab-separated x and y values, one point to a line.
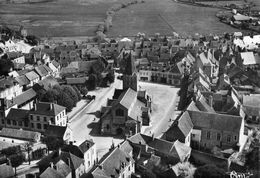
71	142
59	151
35	106
153	136
51	165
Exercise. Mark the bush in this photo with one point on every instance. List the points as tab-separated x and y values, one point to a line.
71	93
77	91
209	171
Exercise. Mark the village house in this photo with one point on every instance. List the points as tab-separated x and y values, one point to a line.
169	152
213	129
45	114
59	170
180	130
26	100
23	81
251	105
17	118
42	72
52	160
86	150
61	133
55	67
117	164
9	88
32	77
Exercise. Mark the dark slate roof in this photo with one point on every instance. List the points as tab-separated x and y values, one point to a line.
6	171
54	157
43	108
192	107
18	114
63	168
117	93
22	80
25	96
47	68
22	72
51	173
19	134
215	121
32	75
112	164
176	149
55	131
73	149
41	70
181	127
84	146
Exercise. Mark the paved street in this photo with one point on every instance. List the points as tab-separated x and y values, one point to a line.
85	127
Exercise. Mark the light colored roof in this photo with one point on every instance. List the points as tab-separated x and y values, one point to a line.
127	99
251	100
248	58
19	134
240	17
32	75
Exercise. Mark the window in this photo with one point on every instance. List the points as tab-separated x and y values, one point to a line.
218	136
3	121
45	126
38	118
32	125
193	135
129	168
208	135
20	123
45	119
8	122
228	138
39	126
119	112
235	138
14	123
31	117
52	119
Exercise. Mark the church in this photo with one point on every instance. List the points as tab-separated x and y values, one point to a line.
130	108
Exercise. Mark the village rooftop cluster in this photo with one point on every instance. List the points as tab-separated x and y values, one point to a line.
212	131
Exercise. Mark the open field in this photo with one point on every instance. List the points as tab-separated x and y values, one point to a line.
63	18
166	16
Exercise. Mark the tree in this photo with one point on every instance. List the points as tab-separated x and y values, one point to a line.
16	160
32	40
209	170
5	66
185	170
77	92
110	77
71	93
84	91
65	100
50	96
53	143
11	150
92	82
28	149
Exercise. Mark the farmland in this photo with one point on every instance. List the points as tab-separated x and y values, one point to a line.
63	18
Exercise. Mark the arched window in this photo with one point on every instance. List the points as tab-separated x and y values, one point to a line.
119	112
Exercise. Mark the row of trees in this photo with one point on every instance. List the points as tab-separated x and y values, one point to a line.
64	95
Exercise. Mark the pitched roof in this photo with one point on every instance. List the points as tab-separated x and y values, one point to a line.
46	83
215	121
192	107
112	165
248	58
55	131
181	127
18	114
50	109
251	100
127	98
202	105
22	80
63	168
55	156
31	75
25	96
55	63
86	145
176	149
51	173
19	134
47	68
41	70
6	171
